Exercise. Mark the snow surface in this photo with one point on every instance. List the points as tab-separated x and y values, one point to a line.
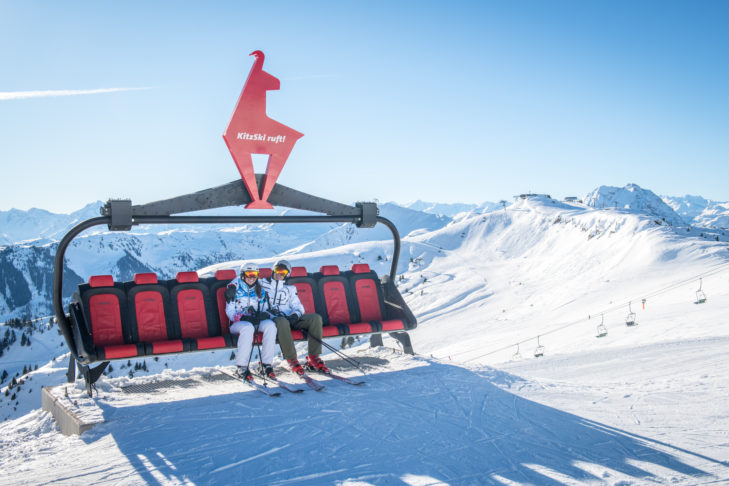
647	404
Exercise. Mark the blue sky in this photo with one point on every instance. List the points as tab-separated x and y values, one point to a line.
398	101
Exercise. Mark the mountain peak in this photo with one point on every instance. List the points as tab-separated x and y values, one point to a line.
633	198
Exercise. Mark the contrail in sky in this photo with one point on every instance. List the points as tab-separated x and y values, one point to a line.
20	95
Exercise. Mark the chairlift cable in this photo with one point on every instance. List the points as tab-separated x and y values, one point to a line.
719	268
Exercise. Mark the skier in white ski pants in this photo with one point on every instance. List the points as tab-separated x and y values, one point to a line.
246	302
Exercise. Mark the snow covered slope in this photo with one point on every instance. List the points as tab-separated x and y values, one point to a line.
643	405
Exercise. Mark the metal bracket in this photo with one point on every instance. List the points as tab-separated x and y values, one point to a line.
120	211
369	214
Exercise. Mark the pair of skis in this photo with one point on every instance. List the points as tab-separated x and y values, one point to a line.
312	383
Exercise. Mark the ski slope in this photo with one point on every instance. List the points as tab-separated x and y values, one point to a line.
645	404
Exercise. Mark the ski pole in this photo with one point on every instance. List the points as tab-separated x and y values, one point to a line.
346	358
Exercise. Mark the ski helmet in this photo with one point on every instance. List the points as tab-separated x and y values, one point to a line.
282	264
248	267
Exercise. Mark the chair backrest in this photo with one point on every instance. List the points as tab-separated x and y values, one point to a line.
335	297
148	308
217	291
367	292
191	306
105	305
306	288
265	272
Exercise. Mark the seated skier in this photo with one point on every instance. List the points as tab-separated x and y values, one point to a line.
289	314
246	307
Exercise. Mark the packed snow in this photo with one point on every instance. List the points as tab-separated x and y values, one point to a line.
644	404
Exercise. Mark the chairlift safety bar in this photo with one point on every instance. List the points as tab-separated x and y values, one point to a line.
121	215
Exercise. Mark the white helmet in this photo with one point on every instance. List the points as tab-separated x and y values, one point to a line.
248	267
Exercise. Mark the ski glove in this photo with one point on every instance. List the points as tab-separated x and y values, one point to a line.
263	315
293	320
230	293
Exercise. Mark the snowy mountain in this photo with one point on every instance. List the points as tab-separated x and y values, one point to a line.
644	404
406	221
688	206
633	198
699	211
451	209
40	225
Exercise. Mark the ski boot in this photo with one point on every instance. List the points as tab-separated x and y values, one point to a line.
244	373
267	371
314	363
295	366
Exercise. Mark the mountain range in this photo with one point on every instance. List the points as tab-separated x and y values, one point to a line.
31	237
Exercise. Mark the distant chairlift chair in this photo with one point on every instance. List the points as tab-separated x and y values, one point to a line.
539	351
601	329
630	319
700	295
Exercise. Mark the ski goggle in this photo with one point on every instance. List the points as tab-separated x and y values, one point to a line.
283	271
250	274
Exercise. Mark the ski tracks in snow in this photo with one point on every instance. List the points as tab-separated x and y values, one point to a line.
417	420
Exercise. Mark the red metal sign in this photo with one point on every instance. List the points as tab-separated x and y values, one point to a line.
251	131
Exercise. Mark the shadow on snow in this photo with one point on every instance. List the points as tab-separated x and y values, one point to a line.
437	421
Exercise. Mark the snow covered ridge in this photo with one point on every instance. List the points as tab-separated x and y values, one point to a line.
633	197
679	211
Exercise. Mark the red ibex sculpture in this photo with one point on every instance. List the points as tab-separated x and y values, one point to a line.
251	131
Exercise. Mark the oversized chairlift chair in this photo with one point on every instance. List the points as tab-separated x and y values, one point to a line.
121	215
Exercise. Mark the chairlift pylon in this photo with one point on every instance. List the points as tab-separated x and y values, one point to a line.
601	329
630	318
700	295
539	351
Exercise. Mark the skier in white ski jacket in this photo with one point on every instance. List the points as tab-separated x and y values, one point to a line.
289	314
247	308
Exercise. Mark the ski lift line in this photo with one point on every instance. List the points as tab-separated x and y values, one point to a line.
716	270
